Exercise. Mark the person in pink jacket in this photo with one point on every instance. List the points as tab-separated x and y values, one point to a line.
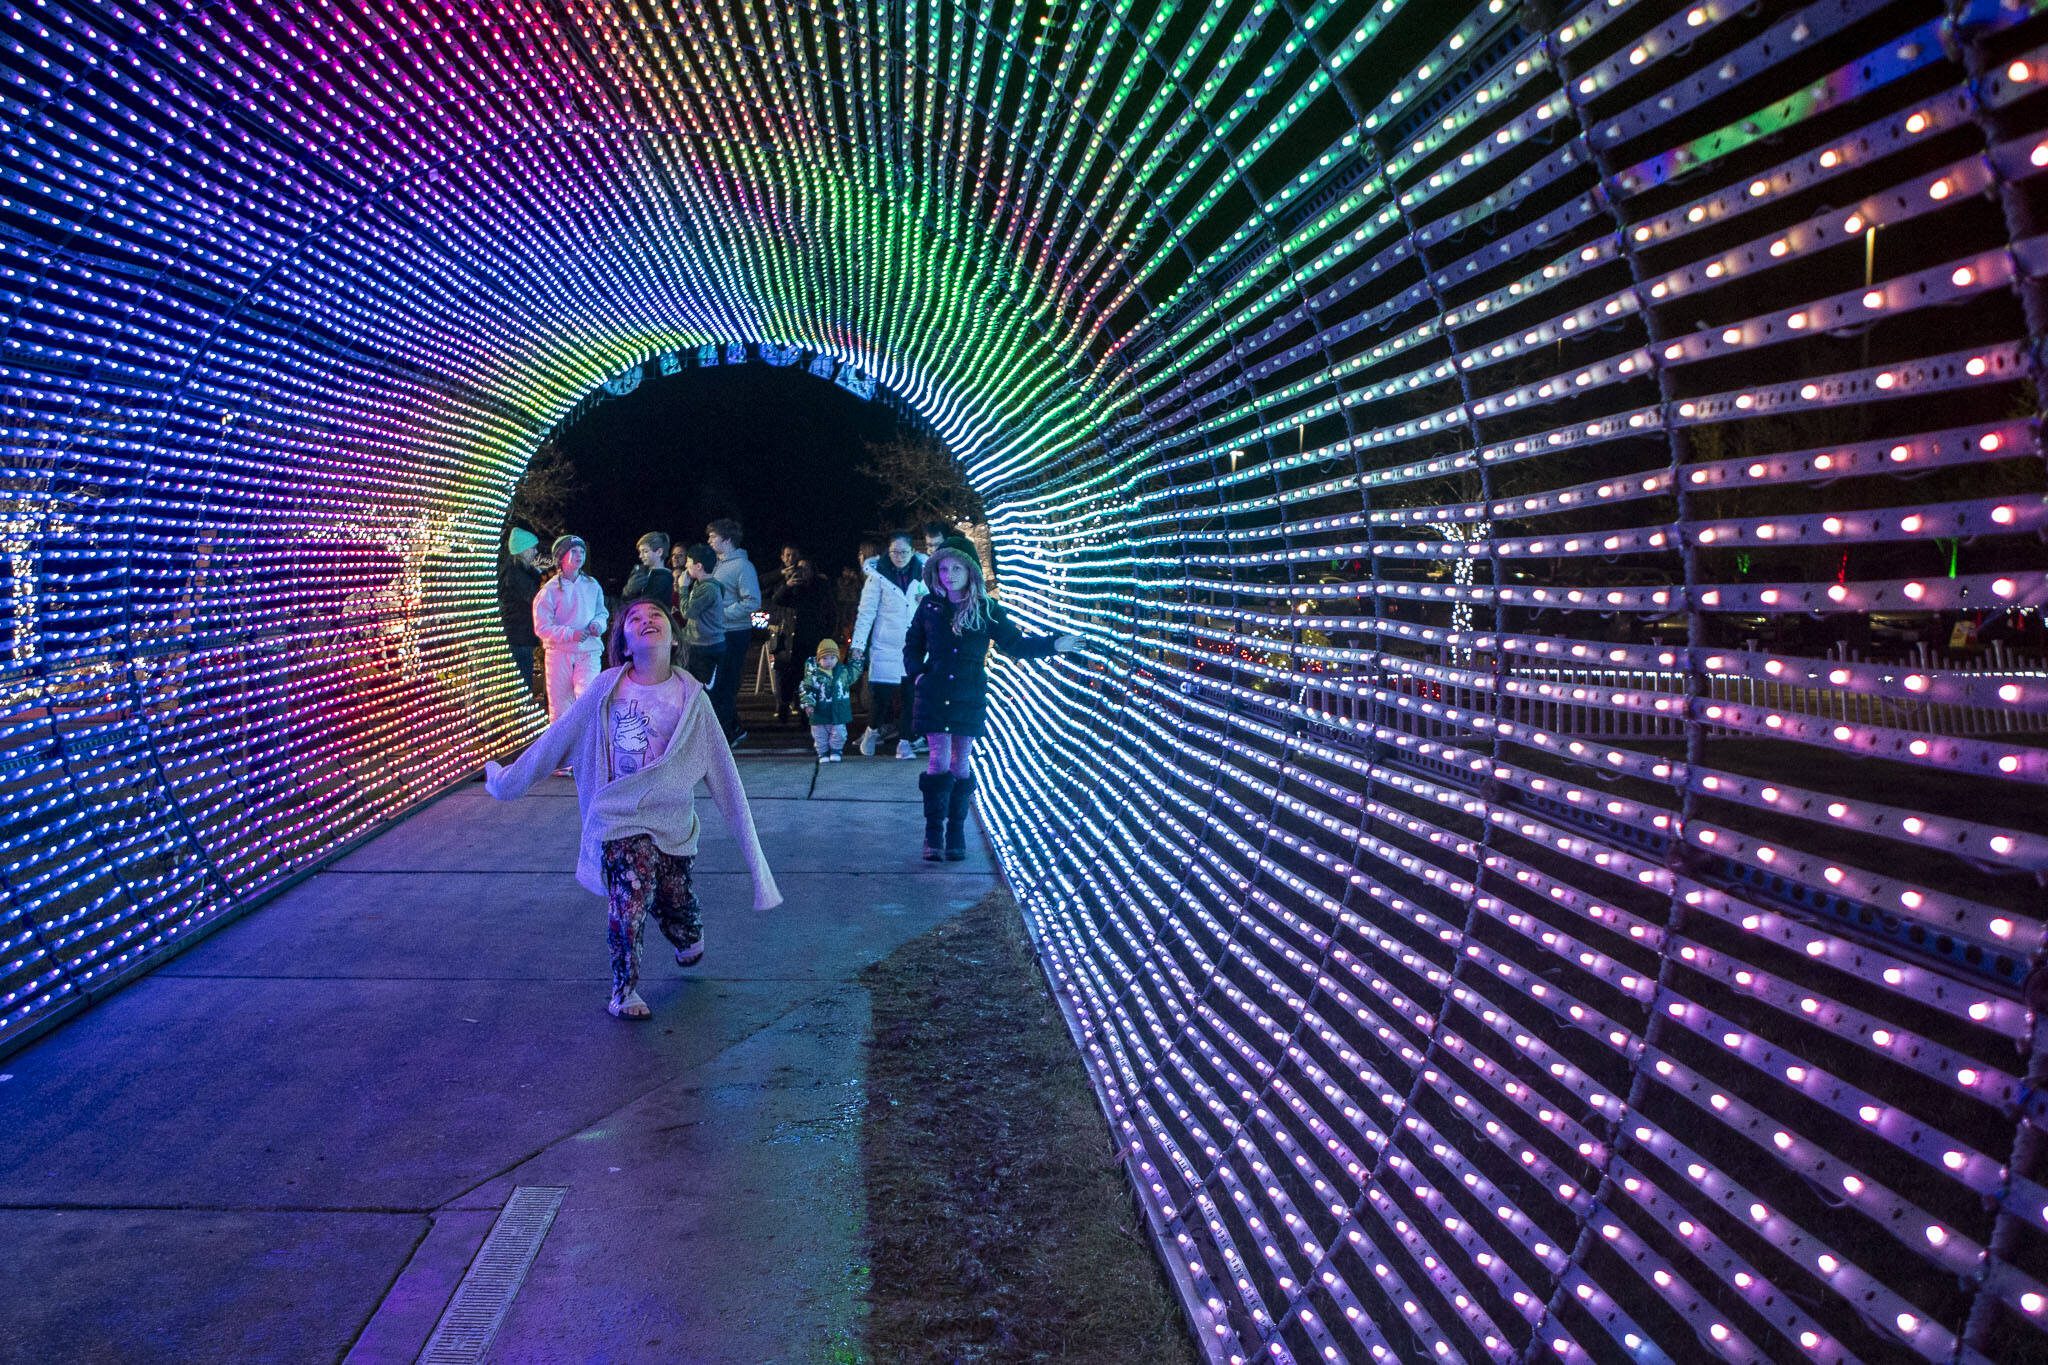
569	617
641	739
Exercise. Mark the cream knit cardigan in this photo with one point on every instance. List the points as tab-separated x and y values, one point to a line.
658	800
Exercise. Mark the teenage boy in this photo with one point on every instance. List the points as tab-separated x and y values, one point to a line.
743	599
652	577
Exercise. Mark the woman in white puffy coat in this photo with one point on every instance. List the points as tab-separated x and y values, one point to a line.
888	597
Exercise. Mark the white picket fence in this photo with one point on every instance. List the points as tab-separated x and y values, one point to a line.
1564	716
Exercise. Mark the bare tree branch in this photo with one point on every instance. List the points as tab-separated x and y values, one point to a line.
921	481
541	501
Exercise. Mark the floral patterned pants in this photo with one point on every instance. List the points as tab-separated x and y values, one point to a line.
639	878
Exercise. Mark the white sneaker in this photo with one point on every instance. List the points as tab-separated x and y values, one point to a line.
628	1006
905	749
867	743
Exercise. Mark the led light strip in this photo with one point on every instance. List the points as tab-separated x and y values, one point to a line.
1521	892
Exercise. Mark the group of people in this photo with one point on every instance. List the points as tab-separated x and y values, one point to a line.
711	587
644	706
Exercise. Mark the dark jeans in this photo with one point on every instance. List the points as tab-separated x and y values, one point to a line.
789	674
885	710
702	663
522	659
725	684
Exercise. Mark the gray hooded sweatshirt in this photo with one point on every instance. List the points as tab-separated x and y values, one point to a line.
743	588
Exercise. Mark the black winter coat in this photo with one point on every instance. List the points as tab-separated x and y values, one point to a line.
812	605
658	583
950	672
518	585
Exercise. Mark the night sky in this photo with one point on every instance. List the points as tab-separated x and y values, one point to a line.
774	448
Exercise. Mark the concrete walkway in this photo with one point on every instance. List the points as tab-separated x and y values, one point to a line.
289	1144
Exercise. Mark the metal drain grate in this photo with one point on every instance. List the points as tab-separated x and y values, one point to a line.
473	1316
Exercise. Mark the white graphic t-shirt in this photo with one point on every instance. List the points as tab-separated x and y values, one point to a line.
644	720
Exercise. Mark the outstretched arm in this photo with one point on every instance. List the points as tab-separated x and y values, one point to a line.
722	776
549	752
1019	645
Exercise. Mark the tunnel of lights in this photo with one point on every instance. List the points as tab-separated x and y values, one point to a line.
1516	895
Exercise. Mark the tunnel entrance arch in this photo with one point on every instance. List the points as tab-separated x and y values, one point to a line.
729	406
773	436
728	424
780	439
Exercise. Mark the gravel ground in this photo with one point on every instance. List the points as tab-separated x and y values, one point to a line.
999	1228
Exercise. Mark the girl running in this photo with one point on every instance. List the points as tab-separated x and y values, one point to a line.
641	739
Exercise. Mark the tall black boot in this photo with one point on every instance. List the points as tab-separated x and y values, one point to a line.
958	803
936	788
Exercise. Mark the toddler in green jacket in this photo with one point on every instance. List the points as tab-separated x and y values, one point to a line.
826	694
